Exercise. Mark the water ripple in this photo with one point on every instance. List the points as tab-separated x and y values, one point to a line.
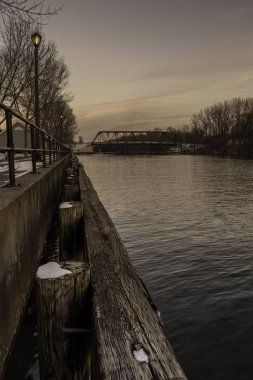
187	224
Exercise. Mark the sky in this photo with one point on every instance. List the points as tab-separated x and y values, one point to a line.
144	64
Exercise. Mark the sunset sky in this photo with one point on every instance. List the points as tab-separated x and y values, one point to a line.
141	64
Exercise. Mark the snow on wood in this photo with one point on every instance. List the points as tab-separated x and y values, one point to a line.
140	355
65	205
51	270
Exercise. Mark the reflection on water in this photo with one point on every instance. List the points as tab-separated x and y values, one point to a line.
186	222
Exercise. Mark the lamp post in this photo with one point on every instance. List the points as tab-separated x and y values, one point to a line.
61	117
36	40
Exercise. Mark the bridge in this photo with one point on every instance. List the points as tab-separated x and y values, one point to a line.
135	142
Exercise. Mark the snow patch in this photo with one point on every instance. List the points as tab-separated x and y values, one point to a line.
65	205
51	270
23	166
141	356
3	168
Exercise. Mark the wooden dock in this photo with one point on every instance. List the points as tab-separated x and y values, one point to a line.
129	337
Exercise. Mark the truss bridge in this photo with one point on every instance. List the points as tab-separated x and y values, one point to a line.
135	142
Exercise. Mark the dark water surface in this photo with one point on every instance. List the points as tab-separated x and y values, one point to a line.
187	224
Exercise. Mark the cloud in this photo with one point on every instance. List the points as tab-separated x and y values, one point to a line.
171	106
141	114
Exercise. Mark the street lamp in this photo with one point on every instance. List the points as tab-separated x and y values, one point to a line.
36	40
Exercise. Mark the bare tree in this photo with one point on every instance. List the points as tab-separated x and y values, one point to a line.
62	122
80	139
53	84
17	78
27	10
15	60
225	127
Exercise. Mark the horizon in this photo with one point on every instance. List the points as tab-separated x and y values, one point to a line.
145	65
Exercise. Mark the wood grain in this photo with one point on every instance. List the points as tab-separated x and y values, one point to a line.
61	304
71	232
125	318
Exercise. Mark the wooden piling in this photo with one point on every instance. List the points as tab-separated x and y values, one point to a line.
69	172
70	193
61	311
71	242
72	180
75	168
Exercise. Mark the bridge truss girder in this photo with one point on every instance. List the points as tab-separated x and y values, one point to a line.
123	137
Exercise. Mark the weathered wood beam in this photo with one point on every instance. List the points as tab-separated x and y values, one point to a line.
130	341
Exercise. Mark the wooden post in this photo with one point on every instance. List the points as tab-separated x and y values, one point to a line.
70	193
75	169
72	180
61	314
75	166
69	172
71	231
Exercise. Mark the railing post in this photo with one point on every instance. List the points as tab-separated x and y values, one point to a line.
25	137
44	150
53	145
33	144
54	154
50	148
10	144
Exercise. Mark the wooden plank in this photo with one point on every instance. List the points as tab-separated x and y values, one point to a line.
126	320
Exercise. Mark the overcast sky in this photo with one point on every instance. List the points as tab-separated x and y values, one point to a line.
141	64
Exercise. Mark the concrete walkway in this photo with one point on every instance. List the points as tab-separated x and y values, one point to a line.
23	165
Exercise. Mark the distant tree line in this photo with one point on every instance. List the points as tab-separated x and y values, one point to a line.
224	128
17	79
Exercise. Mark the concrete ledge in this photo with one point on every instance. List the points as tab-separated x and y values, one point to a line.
25	214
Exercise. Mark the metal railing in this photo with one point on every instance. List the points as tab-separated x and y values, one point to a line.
42	146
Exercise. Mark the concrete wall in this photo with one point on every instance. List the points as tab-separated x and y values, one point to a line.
25	213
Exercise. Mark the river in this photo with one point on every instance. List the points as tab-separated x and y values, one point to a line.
187	224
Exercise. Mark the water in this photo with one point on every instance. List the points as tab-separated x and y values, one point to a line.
187	224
